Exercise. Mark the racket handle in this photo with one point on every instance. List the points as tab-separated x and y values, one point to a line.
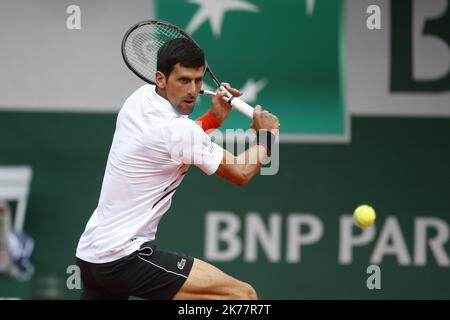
237	103
241	106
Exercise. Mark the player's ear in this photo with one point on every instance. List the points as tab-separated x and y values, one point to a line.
160	80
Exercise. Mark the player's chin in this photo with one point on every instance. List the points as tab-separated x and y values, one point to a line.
187	106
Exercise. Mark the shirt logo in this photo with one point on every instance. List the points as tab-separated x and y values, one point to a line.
208	145
181	264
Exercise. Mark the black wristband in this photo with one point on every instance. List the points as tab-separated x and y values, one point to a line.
265	138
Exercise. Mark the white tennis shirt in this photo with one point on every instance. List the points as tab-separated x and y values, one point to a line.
152	149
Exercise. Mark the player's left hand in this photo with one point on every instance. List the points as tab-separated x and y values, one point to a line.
219	108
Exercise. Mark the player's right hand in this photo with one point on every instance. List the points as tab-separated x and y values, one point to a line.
264	120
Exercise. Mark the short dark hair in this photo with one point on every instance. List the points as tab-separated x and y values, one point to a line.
182	51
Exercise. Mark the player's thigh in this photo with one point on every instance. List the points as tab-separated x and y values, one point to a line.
208	282
92	290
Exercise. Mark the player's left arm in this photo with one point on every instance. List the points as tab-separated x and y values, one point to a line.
219	109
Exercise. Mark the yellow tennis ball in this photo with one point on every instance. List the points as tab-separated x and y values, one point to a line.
364	216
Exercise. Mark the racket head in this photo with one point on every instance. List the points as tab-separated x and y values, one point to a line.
140	46
141	43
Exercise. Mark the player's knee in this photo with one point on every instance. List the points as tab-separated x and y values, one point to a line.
246	292
251	293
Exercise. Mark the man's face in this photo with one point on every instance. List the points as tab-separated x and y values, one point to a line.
182	87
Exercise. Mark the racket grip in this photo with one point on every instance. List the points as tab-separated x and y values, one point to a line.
242	106
237	103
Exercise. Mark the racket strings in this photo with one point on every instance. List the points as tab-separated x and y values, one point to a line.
142	45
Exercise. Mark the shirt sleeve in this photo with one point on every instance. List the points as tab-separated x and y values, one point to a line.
188	143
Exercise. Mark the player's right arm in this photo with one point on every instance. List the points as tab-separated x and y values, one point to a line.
242	168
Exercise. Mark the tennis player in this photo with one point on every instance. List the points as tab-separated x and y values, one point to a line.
153	146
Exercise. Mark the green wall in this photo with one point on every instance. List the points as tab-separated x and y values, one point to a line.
400	166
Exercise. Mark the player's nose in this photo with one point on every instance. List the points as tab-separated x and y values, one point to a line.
192	88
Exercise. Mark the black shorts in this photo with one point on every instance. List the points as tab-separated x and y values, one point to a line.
148	273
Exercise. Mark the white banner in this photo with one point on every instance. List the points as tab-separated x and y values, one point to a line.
65	55
402	69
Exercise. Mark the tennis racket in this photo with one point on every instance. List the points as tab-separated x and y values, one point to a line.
140	46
